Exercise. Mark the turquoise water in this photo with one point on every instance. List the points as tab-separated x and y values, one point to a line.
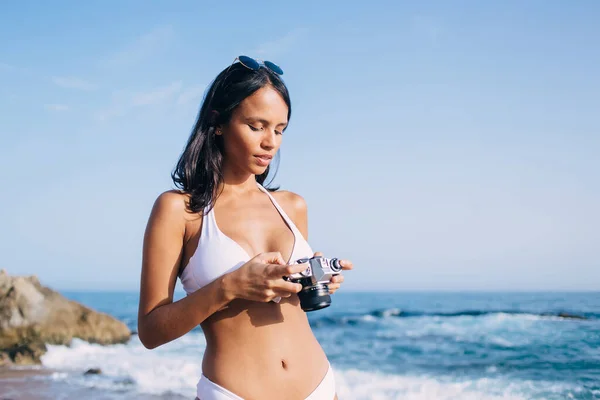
387	346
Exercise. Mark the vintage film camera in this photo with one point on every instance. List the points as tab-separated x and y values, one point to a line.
315	281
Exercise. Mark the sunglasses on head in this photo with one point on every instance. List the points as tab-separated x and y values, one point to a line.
254	65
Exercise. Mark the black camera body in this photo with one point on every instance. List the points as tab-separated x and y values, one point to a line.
315	281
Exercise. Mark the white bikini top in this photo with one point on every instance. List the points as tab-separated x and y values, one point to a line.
218	254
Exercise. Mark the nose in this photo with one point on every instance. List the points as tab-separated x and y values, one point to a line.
269	140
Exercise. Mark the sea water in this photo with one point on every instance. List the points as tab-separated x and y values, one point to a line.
478	346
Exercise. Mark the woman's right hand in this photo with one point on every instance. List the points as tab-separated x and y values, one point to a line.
261	278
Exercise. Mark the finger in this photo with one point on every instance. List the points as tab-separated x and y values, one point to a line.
281	293
333	287
272	258
318	253
346	264
337	279
278	271
284	287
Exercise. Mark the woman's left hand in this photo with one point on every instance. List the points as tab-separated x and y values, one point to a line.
337	280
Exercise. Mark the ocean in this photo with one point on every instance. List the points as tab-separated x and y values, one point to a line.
410	346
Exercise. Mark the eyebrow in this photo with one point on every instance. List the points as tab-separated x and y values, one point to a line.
264	121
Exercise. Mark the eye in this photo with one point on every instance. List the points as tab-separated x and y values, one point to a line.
254	128
279	132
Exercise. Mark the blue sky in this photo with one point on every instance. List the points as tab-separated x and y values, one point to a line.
440	145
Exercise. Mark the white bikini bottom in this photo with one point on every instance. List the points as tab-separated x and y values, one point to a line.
208	390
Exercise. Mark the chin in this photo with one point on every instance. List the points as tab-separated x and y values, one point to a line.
259	170
256	168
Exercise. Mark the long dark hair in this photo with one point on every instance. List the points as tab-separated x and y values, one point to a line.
199	169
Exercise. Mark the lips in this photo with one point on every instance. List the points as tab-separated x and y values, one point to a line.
263	159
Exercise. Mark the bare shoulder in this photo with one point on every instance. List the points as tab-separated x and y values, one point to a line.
291	202
295	207
173	204
173	200
170	203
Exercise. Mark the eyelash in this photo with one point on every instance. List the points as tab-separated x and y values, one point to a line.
258	129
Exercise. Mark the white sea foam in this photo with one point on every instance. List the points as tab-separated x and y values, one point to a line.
361	385
368	318
391	312
498	329
175	368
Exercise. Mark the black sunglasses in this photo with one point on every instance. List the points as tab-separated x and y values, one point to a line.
253	64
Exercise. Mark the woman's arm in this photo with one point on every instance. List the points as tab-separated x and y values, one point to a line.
160	320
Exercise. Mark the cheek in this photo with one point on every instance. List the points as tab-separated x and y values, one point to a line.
238	144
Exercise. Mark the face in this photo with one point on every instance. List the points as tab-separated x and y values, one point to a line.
254	132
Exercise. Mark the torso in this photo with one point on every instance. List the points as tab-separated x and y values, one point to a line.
255	349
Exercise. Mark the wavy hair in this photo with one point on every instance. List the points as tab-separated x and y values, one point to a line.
199	169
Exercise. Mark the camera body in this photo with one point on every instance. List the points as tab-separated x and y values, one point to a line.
315	281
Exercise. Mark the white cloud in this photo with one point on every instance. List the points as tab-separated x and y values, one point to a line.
156	96
191	95
73	83
123	101
281	45
109	113
57	107
7	67
141	48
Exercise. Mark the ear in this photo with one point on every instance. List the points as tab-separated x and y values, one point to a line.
214	116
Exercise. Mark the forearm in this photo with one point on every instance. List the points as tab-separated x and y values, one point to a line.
171	321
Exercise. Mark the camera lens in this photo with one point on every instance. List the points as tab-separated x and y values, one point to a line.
314	298
335	265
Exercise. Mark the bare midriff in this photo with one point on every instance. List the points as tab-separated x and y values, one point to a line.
256	350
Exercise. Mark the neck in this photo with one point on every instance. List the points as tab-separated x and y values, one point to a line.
237	183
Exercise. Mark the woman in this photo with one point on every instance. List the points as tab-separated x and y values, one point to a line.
231	242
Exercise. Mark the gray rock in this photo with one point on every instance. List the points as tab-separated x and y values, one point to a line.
93	371
32	315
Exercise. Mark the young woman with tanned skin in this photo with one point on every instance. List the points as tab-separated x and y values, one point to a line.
231	242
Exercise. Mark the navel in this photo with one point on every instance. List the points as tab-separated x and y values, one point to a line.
284	364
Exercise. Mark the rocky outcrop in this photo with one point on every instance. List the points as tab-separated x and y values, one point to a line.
32	315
